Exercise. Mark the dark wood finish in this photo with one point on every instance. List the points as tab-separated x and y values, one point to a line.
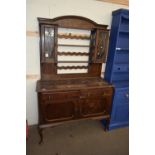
73	62
73	36
72	45
72	67
62	100
72	22
73	53
98	38
69	97
50	61
99	45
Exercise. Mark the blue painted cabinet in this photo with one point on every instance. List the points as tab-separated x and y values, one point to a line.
117	68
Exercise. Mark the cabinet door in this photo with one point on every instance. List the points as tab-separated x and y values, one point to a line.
58	111
120	109
120	114
92	107
48	39
59	106
96	103
101	47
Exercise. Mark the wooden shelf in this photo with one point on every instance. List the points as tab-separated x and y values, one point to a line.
122	49
73	45
72	61
65	61
47	60
123	31
73	53
73	36
72	67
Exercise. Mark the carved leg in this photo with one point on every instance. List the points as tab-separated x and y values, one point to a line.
107	124
40	131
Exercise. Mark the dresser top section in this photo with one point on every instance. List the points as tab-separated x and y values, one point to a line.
72	21
71	84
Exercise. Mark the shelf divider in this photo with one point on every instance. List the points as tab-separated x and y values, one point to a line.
72	45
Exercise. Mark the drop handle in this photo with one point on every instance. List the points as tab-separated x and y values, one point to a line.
49	97
76	110
88	94
82	97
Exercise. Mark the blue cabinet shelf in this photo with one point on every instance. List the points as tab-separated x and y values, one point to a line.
117	68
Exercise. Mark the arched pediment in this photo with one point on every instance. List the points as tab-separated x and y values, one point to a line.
72	22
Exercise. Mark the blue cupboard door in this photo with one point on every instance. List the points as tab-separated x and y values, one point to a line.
120	109
121	96
120	114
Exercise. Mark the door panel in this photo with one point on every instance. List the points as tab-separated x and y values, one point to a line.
120	114
95	102
92	107
101	50
58	111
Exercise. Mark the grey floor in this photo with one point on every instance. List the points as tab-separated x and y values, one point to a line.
79	138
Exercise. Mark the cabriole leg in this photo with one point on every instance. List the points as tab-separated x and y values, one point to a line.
40	131
107	124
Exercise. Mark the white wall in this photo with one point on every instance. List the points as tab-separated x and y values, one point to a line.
100	12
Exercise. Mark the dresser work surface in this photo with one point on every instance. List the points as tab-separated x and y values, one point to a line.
62	100
71	84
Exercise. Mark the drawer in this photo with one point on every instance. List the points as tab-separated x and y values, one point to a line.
122	57
120	76
59	96
121	68
97	104
93	93
122	96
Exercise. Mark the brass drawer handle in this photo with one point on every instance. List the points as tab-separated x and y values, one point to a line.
76	110
49	97
82	97
106	94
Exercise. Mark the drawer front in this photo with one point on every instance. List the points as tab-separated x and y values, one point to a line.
121	68
95	93
121	96
122	76
122	57
59	96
